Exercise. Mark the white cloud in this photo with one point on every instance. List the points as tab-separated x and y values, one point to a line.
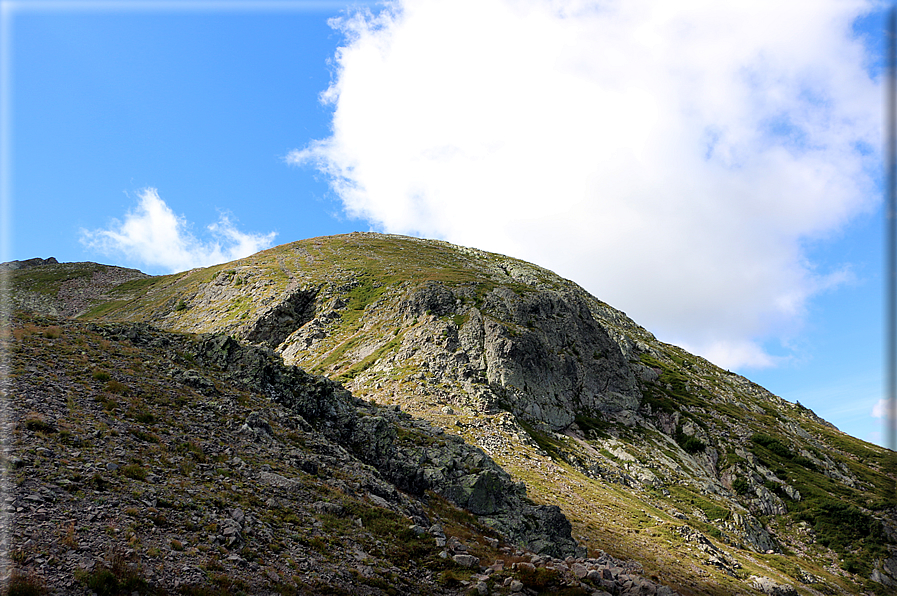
671	157
880	409
153	235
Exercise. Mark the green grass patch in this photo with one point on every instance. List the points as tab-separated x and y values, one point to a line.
854	534
685	496
117	578
138	285
48	279
337	354
134	471
740	486
671	389
778	450
592	427
549	445
689	443
361	366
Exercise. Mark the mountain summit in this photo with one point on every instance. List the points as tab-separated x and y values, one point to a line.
651	454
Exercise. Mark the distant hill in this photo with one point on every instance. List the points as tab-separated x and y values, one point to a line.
711	483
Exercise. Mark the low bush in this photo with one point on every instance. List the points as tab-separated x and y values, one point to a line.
740	486
134	471
25	585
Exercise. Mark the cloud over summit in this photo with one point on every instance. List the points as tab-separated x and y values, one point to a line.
673	158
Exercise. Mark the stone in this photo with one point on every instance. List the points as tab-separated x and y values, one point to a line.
257	425
466	560
771	587
334	509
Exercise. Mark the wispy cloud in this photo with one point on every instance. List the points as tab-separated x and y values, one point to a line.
673	158
153	235
880	409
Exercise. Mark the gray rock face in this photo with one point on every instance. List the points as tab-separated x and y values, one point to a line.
752	532
28	263
274	325
464	475
541	354
536	372
432	298
257	425
461	473
770	587
557	362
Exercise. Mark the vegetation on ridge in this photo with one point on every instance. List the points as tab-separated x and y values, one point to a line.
652	453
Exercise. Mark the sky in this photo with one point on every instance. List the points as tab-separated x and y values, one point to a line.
711	168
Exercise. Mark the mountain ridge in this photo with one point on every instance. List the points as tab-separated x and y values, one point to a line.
569	395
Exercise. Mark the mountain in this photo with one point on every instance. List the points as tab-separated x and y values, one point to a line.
712	484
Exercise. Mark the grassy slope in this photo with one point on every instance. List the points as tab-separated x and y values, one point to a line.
372	269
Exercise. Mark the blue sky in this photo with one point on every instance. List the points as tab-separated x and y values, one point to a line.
712	170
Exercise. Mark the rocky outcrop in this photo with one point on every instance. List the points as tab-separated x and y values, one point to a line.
65	289
540	354
425	460
28	263
567	393
205	452
771	587
277	322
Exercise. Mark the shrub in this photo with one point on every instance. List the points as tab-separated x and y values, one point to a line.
68	536
117	578
103	582
773	445
116	387
36	423
689	443
25	585
740	486
538	579
101	375
134	471
98	482
53	332
146	417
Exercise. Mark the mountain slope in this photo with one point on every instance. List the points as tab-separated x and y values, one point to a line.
652	453
150	462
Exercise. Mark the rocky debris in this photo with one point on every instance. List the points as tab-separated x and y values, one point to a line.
157	486
164	486
751	532
770	587
423	461
258	426
195	380
715	556
596	575
567	393
65	289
